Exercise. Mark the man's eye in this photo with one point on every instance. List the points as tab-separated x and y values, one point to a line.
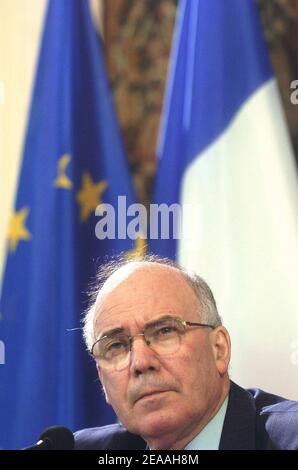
115	346
165	330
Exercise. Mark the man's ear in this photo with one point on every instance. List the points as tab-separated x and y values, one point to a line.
102	384
221	347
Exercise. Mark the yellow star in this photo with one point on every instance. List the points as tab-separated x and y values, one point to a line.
17	230
62	180
89	196
138	251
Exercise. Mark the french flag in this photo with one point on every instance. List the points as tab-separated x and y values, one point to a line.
225	153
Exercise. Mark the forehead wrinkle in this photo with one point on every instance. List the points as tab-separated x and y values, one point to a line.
106	319
107	312
112	302
105	307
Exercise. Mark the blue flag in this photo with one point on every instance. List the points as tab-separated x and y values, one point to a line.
225	157
73	161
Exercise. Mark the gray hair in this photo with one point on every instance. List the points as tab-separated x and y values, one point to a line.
209	313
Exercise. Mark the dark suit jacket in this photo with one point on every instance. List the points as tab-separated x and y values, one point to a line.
254	420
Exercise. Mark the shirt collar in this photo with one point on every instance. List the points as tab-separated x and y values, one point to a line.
209	437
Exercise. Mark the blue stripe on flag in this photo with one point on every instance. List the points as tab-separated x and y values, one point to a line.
219	59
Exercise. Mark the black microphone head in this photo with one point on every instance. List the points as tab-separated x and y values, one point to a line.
58	438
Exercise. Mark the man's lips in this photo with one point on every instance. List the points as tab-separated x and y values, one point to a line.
150	393
149	388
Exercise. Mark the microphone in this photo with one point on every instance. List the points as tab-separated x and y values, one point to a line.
54	438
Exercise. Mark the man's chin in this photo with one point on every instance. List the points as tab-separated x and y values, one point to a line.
153	425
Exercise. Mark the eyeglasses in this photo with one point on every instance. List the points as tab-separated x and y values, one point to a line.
163	336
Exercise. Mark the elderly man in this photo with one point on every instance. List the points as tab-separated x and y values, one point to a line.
162	357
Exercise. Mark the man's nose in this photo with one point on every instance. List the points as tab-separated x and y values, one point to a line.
142	357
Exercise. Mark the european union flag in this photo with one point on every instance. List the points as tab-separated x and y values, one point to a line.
73	161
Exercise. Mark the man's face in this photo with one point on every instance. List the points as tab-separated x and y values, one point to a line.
165	399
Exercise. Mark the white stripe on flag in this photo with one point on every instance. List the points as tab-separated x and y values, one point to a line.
245	240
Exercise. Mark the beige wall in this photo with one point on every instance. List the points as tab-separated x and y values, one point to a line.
21	24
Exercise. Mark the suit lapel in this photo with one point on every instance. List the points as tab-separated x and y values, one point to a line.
240	421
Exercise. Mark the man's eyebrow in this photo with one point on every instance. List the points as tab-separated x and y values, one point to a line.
158	320
110	332
121	330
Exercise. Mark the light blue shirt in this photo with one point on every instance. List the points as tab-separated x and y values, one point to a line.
209	437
